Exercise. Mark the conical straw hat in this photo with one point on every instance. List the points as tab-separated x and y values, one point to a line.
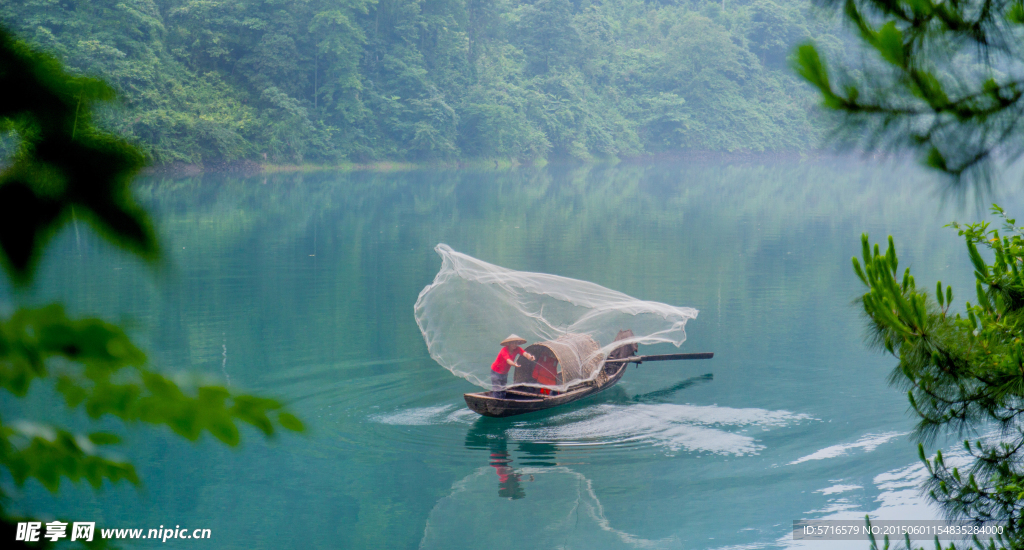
513	339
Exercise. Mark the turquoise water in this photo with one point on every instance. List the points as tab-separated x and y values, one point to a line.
302	287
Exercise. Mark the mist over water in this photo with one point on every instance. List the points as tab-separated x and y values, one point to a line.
301	286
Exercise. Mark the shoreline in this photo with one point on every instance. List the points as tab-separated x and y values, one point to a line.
253	168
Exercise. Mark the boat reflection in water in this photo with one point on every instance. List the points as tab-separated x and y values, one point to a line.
491	435
562	509
492	439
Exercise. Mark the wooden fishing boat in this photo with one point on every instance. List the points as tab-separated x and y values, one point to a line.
575	356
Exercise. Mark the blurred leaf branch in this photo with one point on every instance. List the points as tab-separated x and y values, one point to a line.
67	166
943	79
63	162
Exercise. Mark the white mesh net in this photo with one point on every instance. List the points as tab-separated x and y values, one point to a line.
472	305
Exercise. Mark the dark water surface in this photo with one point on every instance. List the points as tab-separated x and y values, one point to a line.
302	287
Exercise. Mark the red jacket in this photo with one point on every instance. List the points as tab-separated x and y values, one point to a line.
500	364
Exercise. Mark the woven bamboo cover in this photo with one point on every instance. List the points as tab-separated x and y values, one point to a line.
578	356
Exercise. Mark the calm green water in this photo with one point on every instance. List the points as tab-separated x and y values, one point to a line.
302	287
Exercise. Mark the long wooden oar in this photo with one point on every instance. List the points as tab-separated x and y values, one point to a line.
668	357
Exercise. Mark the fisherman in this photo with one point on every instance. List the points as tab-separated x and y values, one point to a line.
505	361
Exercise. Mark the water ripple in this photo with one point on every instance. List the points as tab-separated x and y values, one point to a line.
692	428
869	443
673	427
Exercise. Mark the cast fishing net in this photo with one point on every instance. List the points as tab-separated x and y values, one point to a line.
570	326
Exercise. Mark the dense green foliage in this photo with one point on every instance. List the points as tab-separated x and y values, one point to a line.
323	80
64	162
962	373
945	80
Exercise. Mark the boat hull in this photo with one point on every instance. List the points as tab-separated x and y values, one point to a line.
520	399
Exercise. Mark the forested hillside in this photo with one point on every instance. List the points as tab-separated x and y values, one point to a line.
327	80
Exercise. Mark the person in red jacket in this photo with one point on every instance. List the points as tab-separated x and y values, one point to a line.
505	361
